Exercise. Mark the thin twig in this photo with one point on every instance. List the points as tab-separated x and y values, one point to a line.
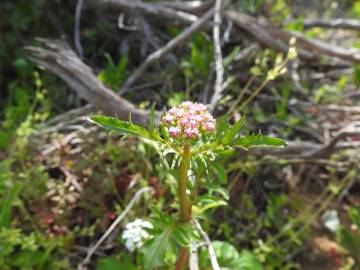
211	251
115	223
219	68
194	258
77	41
341	23
159	54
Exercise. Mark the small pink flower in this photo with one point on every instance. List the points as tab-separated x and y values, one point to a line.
209	126
198	118
174	131
167	119
193	124
189	121
184	122
192	133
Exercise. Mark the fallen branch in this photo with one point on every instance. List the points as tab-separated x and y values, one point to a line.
262	35
308	49
154	9
277	39
60	59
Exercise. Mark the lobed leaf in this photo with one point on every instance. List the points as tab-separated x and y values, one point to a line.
123	127
258	140
155	249
126	127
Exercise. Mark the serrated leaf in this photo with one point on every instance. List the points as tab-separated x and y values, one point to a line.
258	140
233	131
155	249
123	127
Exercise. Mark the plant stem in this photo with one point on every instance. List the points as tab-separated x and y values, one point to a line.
185	204
183	257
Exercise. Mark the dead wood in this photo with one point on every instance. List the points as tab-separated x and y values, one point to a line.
57	57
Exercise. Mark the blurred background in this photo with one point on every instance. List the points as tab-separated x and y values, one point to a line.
63	181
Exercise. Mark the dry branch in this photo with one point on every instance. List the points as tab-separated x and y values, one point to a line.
153	9
261	34
309	49
277	39
189	6
341	23
57	57
219	68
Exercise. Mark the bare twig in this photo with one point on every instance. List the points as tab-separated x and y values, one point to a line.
219	68
194	6
77	40
194	258
153	9
341	23
115	223
326	150
211	251
159	54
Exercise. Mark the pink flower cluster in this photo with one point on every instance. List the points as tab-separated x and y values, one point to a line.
188	120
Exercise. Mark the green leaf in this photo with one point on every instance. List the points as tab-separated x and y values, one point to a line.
222	126
112	263
233	131
123	127
167	237
354	214
6	205
258	140
220	172
164	133
248	261
27	259
229	258
206	202
113	75
155	249
351	242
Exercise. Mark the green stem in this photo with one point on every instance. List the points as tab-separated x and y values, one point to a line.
184	202
185	206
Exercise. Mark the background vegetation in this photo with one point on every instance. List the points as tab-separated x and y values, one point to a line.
63	181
